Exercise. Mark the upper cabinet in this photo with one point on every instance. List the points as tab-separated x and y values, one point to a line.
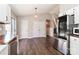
76	21
70	12
67	12
5	12
74	11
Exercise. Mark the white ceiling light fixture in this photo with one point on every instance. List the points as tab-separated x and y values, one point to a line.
36	15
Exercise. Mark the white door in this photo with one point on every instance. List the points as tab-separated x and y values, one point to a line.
36	29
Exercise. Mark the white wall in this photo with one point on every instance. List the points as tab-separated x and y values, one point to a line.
26	30
22	27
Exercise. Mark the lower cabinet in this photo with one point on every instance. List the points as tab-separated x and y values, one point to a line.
74	45
13	48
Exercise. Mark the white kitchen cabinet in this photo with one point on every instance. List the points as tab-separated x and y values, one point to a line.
76	15
5	12
61	14
67	12
74	45
70	12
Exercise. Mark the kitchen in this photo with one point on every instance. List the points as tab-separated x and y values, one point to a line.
65	29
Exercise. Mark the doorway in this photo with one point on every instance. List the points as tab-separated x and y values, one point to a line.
47	27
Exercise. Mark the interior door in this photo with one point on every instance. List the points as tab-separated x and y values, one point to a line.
36	29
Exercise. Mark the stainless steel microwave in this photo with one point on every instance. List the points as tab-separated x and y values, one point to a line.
76	31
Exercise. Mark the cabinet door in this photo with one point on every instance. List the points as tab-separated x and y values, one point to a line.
74	45
13	48
76	15
61	14
69	12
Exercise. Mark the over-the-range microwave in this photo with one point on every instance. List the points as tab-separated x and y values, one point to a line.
76	31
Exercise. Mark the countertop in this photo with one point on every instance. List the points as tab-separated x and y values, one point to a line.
74	35
12	40
8	41
2	47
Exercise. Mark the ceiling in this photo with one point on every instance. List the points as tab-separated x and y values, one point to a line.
29	9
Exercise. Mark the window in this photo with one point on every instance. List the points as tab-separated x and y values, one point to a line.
13	27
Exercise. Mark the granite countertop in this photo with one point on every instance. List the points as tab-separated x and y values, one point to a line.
74	35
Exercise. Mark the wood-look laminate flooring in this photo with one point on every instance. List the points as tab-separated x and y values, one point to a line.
37	46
